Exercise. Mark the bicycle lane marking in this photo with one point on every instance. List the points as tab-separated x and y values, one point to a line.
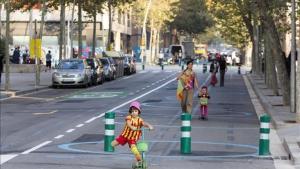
11	156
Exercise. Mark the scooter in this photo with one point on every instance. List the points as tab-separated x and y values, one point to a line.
143	148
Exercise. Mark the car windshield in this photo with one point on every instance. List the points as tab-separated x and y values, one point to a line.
71	64
104	62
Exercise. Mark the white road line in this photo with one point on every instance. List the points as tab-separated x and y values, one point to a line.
143	88
125	103
152	83
138	91
90	120
148	86
6	157
52	112
79	125
70	130
36	147
59	136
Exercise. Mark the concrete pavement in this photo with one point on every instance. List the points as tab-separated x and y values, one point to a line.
282	119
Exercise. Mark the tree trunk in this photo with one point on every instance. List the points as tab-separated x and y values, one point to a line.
151	42
7	80
94	29
71	29
275	45
62	29
271	76
79	28
0	19
42	18
157	43
109	26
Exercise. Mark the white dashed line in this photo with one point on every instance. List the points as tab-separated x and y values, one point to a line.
79	125
70	130
90	120
148	86
138	91
59	136
36	147
143	88
7	157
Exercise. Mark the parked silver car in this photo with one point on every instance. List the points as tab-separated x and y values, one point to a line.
72	72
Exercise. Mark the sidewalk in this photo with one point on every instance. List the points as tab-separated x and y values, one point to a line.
21	83
282	119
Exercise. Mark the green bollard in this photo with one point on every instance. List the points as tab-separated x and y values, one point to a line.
182	67
185	141
143	66
264	142
162	67
109	131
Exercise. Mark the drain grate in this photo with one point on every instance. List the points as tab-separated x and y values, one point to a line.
89	138
277	105
290	121
72	101
115	88
152	101
171	88
210	153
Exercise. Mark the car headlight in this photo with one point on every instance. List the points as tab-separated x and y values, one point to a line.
56	74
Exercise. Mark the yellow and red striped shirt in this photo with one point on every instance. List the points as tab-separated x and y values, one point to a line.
131	134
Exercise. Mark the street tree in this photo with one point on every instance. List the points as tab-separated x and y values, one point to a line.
191	17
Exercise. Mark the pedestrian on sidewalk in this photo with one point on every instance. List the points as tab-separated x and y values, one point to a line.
132	130
188	80
213	70
25	57
48	60
223	69
203	95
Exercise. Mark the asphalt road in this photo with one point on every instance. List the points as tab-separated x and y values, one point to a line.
64	128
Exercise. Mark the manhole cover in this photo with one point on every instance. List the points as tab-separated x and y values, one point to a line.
89	138
152	101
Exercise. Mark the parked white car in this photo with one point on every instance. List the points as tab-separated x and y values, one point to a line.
72	72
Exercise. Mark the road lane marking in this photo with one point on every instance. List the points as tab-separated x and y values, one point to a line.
90	120
70	130
52	112
36	147
6	157
80	125
59	136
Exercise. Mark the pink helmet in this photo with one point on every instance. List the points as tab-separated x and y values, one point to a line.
136	105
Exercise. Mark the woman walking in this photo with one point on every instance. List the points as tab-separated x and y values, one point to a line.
188	80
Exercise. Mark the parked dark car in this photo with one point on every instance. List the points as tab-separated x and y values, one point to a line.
108	68
129	64
97	70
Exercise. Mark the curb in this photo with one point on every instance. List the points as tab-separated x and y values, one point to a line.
268	108
291	146
21	92
289	143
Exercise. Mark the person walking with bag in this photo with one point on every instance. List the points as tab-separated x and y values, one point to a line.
188	80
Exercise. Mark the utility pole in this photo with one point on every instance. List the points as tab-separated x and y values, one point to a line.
7	38
293	56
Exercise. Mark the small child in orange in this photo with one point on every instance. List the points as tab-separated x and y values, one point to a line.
132	130
203	95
